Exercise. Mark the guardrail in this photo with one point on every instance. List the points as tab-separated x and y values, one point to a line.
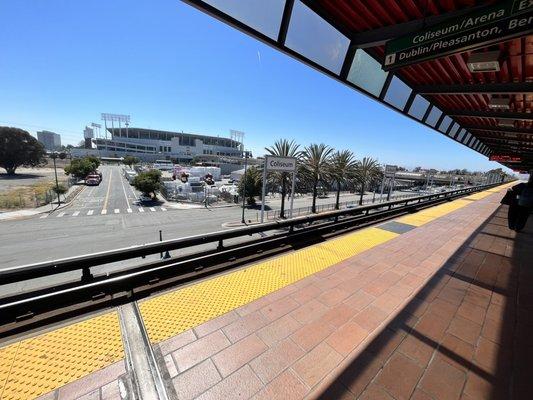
27	305
320	208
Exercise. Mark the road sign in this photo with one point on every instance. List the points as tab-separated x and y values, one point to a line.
480	28
284	164
391	169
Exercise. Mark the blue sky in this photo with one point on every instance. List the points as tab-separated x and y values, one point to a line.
172	67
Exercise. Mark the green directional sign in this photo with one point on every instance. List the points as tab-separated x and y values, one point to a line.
502	21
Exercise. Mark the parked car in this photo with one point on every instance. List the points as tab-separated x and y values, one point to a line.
93	179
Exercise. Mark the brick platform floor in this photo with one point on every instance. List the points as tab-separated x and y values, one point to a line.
443	311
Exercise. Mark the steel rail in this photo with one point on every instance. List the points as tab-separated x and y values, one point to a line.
142	280
85	262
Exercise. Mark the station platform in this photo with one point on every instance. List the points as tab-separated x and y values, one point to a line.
432	305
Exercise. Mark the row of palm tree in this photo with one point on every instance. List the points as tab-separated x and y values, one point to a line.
321	164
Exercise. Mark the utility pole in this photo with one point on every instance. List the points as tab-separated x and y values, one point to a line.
62	156
244	184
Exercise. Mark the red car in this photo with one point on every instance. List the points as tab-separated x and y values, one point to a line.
92	180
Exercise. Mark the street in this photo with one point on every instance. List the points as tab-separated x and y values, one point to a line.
109	216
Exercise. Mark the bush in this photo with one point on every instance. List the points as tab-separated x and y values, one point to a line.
148	182
81	167
131	160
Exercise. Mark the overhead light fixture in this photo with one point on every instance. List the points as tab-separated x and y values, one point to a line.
488	61
506	123
501	103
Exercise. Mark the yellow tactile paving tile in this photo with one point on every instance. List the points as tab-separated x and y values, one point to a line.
429	214
172	313
36	366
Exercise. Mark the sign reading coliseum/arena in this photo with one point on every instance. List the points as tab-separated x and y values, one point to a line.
285	164
502	21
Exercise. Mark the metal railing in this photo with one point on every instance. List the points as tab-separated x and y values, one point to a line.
271	215
91	288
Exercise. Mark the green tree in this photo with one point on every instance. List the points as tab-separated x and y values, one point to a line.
94	160
341	170
148	182
315	161
19	148
81	167
283	148
366	171
131	160
254	184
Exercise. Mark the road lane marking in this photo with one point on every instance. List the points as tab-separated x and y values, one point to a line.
141	209
152	209
163	209
124	189
117	211
129	210
60	214
43	216
107	194
90	212
75	214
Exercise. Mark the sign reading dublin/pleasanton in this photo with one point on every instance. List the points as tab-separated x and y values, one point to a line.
285	164
482	27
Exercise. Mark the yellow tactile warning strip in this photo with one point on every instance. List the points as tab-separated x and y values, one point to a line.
429	214
36	366
172	313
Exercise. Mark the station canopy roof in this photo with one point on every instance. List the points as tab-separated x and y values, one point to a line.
461	67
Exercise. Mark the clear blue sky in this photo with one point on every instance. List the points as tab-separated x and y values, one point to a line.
171	67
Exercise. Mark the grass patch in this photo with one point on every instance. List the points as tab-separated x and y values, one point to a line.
35	195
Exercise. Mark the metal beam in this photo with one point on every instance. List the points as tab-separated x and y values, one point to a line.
285	20
490	114
484	88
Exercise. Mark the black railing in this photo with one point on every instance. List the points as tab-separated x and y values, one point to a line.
91	288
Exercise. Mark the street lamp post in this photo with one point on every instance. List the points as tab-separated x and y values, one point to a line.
244	184
55	155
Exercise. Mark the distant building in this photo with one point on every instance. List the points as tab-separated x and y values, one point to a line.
50	140
88	135
151	145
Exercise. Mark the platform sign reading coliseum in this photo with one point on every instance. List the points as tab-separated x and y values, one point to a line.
284	164
502	21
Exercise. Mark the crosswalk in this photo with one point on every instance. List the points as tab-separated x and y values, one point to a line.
104	211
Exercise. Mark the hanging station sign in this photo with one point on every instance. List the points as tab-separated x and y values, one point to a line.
505	158
495	23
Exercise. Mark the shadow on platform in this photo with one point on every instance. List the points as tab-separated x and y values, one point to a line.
466	334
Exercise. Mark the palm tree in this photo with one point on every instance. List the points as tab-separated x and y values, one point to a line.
366	171
316	159
283	148
341	169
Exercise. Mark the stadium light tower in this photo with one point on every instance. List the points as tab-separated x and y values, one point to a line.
116	118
